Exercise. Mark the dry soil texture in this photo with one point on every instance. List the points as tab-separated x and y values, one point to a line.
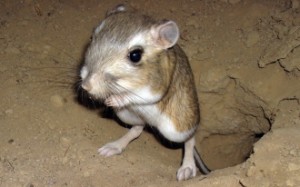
246	58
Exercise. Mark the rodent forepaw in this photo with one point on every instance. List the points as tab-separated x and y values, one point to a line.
114	101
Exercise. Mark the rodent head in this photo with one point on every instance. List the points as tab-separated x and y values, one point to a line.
128	52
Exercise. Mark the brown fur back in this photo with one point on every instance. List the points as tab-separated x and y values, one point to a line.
181	102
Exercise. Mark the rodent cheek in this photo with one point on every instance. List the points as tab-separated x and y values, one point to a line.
126	84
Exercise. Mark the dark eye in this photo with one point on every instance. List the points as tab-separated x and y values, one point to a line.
135	55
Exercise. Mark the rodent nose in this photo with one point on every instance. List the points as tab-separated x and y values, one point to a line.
86	85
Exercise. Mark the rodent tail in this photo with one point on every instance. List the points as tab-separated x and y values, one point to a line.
199	163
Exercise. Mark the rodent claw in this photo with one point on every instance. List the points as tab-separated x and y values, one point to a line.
185	173
114	101
109	150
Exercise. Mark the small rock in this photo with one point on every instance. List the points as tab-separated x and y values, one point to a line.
173	9
65	142
86	174
194	23
51	126
8	111
57	101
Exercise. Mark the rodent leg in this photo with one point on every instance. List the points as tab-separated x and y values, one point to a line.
188	167
116	147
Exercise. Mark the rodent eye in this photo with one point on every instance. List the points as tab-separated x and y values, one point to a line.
135	55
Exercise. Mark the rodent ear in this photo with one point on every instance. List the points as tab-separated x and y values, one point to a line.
165	34
118	8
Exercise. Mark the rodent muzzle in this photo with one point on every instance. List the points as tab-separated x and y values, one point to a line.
86	85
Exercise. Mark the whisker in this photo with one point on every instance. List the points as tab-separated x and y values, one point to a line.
121	89
131	97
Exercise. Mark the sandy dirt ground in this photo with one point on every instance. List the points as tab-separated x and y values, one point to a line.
245	55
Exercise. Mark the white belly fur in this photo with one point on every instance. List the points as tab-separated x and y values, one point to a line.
154	117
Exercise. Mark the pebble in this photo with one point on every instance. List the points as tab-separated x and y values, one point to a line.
9	111
193	22
173	9
51	126
65	142
86	174
57	101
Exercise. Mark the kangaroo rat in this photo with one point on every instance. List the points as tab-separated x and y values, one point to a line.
134	65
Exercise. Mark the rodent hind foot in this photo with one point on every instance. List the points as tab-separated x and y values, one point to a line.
186	172
110	149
